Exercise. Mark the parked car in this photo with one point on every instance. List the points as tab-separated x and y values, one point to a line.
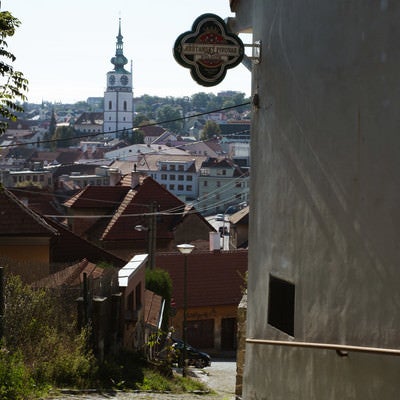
219	217
195	357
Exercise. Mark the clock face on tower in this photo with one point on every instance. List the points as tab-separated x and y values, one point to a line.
111	80
124	80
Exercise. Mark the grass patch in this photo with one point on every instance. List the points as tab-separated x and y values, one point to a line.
130	371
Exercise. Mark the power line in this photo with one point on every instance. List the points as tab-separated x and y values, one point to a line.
124	130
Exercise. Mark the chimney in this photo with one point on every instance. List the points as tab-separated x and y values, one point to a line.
135	176
215	241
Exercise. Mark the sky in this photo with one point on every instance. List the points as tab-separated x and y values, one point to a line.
64	47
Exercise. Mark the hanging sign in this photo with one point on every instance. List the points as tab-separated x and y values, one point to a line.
209	49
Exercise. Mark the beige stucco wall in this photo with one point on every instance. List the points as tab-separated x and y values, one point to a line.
324	196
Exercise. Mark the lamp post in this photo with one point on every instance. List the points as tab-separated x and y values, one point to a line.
185	249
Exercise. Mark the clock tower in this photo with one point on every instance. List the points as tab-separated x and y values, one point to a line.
118	97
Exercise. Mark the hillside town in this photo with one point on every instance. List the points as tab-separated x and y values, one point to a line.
113	182
161	235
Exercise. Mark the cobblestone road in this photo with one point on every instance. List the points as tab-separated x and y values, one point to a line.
220	377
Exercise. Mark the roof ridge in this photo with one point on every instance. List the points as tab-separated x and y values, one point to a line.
28	211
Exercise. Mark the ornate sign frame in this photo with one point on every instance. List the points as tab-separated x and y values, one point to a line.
209	50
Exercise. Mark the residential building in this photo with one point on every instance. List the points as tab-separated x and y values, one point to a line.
118	97
107	216
215	284
239	229
177	173
89	122
102	176
221	184
40	178
25	238
322	316
135	152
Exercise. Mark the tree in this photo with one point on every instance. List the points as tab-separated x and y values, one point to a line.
12	82
211	129
63	136
170	113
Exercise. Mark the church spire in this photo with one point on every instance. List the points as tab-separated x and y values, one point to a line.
119	60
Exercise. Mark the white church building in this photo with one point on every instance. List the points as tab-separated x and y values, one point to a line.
118	97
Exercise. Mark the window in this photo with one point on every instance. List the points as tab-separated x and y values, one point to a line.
125	106
35	178
163	167
189	178
172	167
189	188
218	184
181	178
110	105
180	187
281	305
163	177
171	187
180	167
172	177
205	183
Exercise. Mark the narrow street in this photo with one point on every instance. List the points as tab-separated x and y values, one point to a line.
220	377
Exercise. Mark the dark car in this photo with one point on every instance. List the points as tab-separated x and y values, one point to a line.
195	357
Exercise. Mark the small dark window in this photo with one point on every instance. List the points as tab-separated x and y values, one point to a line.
281	305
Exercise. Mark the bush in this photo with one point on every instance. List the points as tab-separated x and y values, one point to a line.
39	326
15	381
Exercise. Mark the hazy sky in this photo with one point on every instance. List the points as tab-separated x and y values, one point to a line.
64	47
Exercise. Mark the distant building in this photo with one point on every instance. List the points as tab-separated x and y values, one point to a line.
221	184
118	97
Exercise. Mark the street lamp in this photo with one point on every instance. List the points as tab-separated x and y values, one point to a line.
151	234
185	249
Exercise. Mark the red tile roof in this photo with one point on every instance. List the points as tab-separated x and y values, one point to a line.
70	276
136	204
70	248
105	197
213	278
17	219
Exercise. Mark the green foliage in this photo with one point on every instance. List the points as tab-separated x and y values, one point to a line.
122	371
15	381
155	381
211	129
13	84
170	113
38	326
64	136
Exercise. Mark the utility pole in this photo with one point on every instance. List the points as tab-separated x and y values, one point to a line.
153	234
